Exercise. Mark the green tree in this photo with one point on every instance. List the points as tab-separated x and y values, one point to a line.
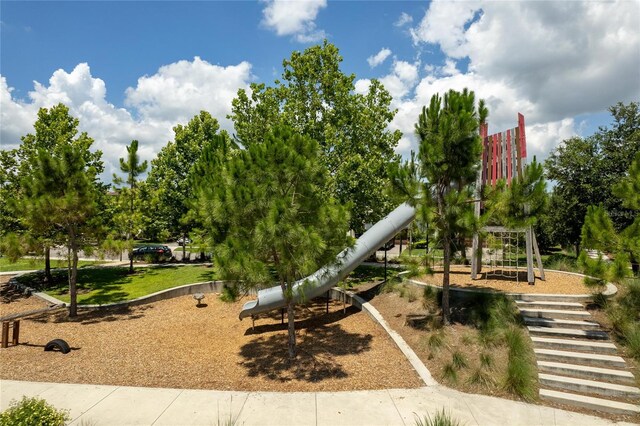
273	219
449	153
585	171
169	190
599	232
315	98
54	129
61	195
133	168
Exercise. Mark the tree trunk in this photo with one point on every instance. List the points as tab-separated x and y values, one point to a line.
577	246
184	246
292	329
47	264
73	277
446	314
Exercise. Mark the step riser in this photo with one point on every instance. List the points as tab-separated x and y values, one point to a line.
539	322
583	361
553	298
594	390
569	315
591	404
589	375
573	347
559	333
562	307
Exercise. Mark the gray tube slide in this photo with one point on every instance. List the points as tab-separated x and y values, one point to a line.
328	276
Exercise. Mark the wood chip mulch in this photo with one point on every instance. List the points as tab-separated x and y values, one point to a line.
174	344
554	283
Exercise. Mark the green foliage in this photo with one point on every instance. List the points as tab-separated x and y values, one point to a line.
586	170
230	293
170	188
271	214
33	411
450	146
458	360
315	98
599	233
481	378
520	204
521	376
442	418
435	342
486	360
450	373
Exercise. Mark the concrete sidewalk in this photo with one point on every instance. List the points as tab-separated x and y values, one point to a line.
120	405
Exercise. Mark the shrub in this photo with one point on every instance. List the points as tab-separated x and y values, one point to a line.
33	411
481	378
441	418
521	378
435	342
486	361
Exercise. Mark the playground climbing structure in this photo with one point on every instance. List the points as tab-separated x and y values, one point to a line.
504	157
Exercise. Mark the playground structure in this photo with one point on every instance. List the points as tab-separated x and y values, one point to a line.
504	156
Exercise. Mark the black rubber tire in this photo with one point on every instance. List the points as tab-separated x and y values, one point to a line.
58	344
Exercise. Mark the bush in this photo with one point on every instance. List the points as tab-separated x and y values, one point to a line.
33	411
458	360
521	377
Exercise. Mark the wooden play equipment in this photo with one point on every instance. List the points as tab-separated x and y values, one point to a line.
13	322
504	156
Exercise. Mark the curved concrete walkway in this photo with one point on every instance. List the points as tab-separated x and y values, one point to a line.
120	405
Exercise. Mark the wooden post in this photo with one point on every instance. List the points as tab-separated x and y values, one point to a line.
16	333
5	334
528	239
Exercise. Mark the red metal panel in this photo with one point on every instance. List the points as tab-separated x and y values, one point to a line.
494	158
509	158
523	139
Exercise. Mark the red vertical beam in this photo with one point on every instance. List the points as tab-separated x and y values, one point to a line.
523	138
494	159
509	158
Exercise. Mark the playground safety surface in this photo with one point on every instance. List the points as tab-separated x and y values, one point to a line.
173	343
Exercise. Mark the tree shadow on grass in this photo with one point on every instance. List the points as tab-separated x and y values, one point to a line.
320	344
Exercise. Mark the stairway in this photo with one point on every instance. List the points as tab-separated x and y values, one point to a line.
577	363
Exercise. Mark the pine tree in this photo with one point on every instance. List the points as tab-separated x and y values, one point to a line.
273	219
450	147
133	168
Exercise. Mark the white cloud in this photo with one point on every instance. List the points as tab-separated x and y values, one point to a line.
173	95
296	18
551	61
361	86
401	80
379	57
403	20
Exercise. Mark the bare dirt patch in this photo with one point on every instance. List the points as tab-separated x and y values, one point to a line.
554	283
174	344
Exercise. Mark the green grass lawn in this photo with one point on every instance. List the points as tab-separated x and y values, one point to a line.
27	264
115	284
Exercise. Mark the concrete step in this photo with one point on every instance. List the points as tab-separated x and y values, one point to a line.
570	298
562	323
565	306
590	402
597	360
587	372
589	386
574	345
568	332
555	313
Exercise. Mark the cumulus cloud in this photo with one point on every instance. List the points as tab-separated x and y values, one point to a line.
379	57
550	60
173	95
401	80
294	18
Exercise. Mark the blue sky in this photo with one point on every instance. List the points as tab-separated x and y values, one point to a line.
133	69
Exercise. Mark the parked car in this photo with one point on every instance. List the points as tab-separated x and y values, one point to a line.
183	241
152	253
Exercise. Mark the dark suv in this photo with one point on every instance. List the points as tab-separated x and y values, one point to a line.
152	253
